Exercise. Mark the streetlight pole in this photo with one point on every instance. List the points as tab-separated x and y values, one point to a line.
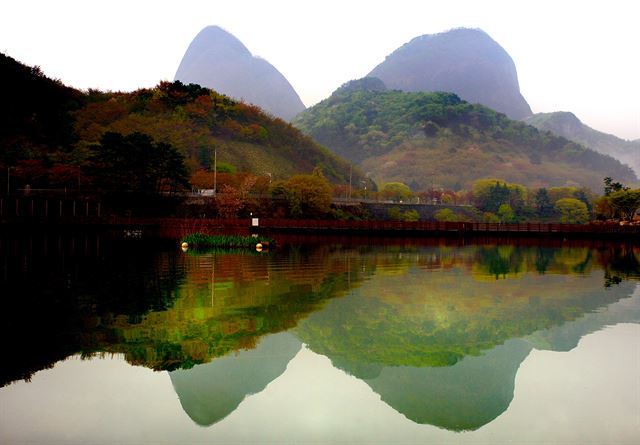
350	174
215	171
364	184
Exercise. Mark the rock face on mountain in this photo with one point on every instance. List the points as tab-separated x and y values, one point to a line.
464	61
217	60
566	124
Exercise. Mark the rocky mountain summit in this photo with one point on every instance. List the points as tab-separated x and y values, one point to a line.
463	61
216	59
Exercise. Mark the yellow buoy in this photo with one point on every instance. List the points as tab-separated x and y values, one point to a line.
259	247
184	246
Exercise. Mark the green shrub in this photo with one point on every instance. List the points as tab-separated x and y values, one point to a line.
202	240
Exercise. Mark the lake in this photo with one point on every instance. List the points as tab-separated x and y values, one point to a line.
322	340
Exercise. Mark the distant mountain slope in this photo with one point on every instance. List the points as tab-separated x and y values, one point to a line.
466	62
217	60
436	139
566	124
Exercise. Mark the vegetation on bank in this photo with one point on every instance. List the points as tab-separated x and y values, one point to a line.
498	201
198	240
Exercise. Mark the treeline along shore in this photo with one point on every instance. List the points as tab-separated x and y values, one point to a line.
87	215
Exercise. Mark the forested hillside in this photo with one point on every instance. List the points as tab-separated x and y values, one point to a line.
431	140
201	123
54	136
37	112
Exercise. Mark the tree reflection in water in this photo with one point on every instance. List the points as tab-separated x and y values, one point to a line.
437	330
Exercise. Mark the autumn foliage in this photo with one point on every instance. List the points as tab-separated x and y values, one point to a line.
55	136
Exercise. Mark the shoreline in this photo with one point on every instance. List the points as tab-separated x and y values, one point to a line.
175	228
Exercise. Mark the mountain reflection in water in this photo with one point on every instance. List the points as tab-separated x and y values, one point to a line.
438	331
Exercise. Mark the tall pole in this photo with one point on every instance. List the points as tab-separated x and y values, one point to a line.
215	171
8	168
350	174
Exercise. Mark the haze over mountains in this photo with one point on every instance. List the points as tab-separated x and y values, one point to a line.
463	61
217	60
467	62
566	124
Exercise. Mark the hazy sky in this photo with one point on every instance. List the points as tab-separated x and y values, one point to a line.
580	56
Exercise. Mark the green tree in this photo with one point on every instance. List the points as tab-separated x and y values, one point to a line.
602	208
398	215
136	163
625	202
446	215
543	203
489	217
572	211
394	213
583	195
556	193
306	195
506	214
610	186
490	194
396	191
411	215
225	167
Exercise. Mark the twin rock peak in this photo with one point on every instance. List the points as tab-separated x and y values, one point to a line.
464	61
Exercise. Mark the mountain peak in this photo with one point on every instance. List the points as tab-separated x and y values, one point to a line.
217	59
213	38
364	84
464	61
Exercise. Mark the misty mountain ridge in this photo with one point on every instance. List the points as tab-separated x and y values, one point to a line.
566	124
218	60
467	62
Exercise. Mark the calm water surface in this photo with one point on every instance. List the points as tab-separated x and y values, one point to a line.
378	342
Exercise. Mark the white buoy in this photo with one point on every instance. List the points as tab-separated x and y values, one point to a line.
184	246
259	247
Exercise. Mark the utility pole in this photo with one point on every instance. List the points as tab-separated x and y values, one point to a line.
350	173
215	171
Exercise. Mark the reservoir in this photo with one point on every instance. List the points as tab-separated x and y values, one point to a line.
321	340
